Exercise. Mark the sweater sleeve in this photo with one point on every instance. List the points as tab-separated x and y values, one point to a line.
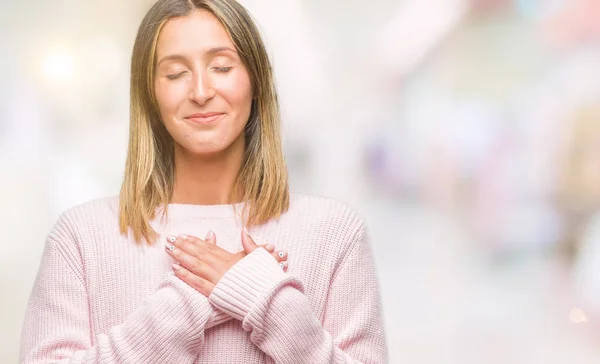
272	305
167	328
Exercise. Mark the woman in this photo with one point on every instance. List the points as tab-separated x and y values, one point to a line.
205	160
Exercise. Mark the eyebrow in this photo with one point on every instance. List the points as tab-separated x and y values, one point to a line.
210	52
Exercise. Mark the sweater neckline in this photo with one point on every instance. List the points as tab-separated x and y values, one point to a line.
191	211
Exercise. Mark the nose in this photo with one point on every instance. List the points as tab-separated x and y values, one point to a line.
202	89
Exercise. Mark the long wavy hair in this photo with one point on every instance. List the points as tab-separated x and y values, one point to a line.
149	171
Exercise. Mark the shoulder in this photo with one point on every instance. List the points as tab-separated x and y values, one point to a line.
87	216
321	206
83	225
328	213
106	207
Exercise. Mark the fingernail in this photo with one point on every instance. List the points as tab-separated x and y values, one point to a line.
176	266
282	254
171	238
183	236
283	265
209	235
270	247
169	246
246	231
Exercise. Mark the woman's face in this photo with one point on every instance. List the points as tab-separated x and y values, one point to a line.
202	87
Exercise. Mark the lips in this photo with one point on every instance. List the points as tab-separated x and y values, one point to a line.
204	118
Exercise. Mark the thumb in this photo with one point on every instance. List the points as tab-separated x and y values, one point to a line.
247	242
210	237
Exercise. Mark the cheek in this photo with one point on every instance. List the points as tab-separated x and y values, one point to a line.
239	92
168	97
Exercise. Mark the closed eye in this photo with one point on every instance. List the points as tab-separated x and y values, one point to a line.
222	69
175	76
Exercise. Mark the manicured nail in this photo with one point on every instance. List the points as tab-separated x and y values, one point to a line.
183	236
176	266
283	265
209	235
282	254
171	238
270	247
169	246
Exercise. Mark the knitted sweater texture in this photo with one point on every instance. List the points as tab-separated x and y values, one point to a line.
101	298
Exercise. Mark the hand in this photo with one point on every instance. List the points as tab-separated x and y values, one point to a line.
201	263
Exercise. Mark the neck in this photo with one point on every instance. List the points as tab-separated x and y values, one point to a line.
207	180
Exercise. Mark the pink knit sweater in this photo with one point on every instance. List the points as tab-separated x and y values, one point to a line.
100	298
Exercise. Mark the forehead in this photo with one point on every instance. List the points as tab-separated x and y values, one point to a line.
196	32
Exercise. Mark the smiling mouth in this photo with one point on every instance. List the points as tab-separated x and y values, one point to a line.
204	119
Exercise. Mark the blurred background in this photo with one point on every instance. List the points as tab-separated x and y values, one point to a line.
467	133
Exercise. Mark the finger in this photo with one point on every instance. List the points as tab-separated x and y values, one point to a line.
276	254
196	247
271	249
247	242
192	263
199	284
211	238
209	249
280	255
189	244
283	266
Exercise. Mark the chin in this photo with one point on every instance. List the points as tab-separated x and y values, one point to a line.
206	147
204	150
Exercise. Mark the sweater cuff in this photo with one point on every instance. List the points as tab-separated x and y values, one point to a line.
198	304
254	276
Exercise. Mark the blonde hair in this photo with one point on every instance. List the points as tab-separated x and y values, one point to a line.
149	171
